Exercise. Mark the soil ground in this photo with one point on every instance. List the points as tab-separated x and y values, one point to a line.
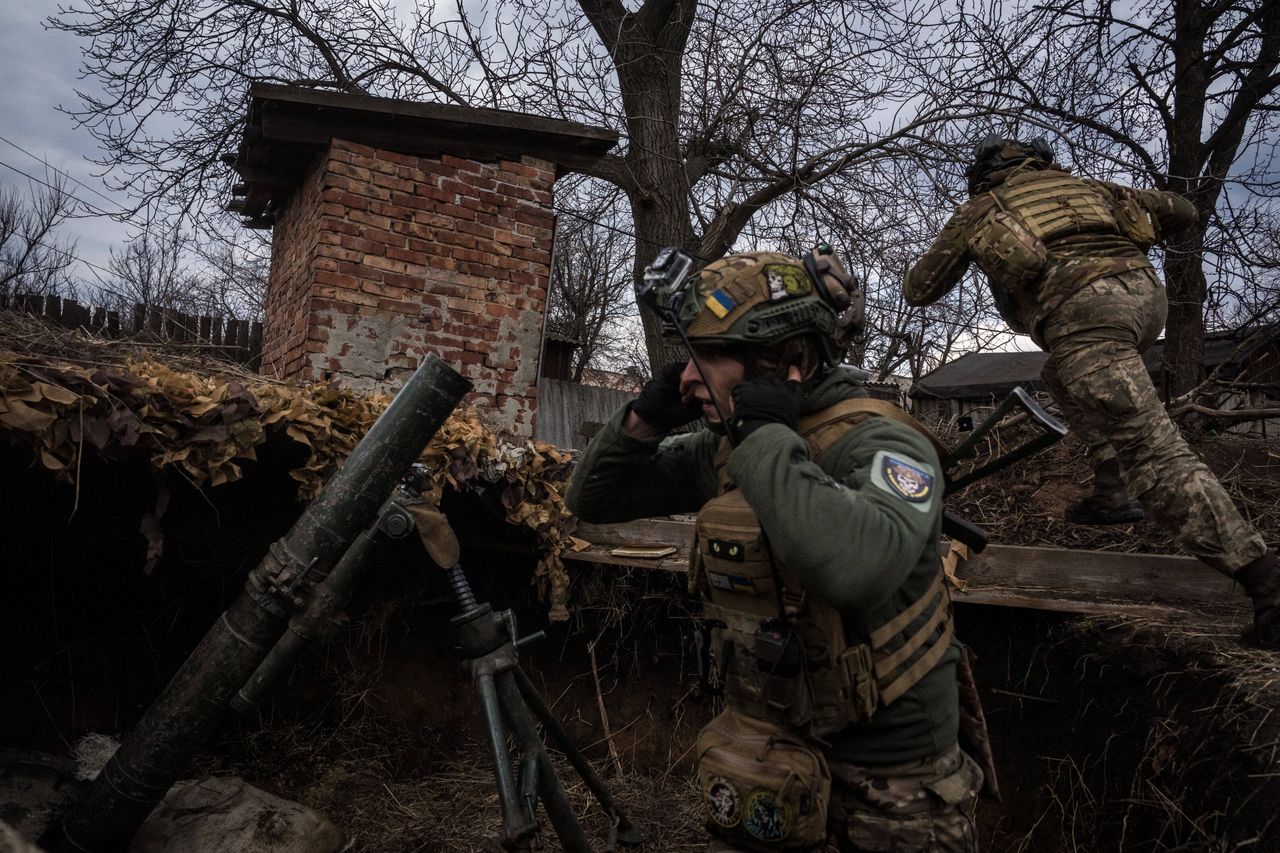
1110	734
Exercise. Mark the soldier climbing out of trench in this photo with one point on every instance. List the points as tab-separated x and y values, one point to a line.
816	543
1065	258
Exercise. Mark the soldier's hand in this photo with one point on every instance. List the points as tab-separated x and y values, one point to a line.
766	400
659	404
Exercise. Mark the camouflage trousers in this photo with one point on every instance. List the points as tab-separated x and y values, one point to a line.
1096	375
924	806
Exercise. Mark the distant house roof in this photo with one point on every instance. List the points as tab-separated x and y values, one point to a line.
980	375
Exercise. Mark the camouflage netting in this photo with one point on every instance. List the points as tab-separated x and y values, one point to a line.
65	394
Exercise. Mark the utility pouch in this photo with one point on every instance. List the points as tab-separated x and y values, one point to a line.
1008	251
781	665
840	679
763	787
1134	223
734	557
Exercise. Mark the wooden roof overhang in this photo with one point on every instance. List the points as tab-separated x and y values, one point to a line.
286	126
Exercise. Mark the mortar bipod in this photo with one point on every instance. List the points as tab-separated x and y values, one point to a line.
489	643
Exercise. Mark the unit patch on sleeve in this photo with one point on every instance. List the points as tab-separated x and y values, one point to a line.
904	477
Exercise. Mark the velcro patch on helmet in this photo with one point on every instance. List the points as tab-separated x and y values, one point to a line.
720	303
905	478
786	281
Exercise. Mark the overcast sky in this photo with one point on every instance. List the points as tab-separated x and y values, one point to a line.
38	73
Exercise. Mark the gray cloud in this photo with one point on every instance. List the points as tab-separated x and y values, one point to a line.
38	73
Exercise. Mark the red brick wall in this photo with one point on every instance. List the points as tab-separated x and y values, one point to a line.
381	257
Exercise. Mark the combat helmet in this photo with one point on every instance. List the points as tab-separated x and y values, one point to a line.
995	152
763	298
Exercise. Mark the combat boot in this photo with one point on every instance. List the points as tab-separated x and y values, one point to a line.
1110	502
1261	581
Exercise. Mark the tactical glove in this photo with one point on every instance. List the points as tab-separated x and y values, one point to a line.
765	400
659	404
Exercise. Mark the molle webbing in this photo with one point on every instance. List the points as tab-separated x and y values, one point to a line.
1054	205
868	675
899	670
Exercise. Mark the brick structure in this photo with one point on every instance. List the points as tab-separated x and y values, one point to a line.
402	229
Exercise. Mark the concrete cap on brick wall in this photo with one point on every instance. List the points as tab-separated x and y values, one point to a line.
287	125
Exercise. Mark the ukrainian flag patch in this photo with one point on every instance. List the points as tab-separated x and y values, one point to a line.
720	303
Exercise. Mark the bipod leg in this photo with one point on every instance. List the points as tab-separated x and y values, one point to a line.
627	832
550	788
518	825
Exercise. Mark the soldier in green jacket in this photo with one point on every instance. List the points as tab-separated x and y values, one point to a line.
1065	258
816	545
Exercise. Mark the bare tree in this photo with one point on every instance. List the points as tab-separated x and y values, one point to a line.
591	282
233	279
880	218
1180	95
153	271
726	106
33	258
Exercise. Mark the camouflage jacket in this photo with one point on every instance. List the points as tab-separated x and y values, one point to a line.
1074	260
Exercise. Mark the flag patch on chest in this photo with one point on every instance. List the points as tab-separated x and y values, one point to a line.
905	478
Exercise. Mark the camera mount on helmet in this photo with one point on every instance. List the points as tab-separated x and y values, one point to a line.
663	290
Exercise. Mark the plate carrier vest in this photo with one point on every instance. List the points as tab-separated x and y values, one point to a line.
819	680
1031	210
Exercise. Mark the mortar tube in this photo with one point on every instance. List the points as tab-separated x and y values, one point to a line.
195	702
328	598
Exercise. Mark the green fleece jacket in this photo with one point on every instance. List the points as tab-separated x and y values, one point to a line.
836	523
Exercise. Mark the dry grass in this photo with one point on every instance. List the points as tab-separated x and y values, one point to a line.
424	785
1178	736
1025	504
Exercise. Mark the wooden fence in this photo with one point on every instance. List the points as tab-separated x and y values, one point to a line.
569	414
235	340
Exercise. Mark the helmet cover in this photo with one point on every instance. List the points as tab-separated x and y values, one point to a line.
757	298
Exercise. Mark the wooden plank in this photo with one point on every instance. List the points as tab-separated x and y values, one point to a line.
994	596
1059	579
1113	575
599	555
646	531
568	411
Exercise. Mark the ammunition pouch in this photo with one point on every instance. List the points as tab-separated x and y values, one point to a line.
1009	253
763	786
1134	223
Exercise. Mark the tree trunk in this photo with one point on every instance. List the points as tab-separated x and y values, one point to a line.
1184	265
1184	332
